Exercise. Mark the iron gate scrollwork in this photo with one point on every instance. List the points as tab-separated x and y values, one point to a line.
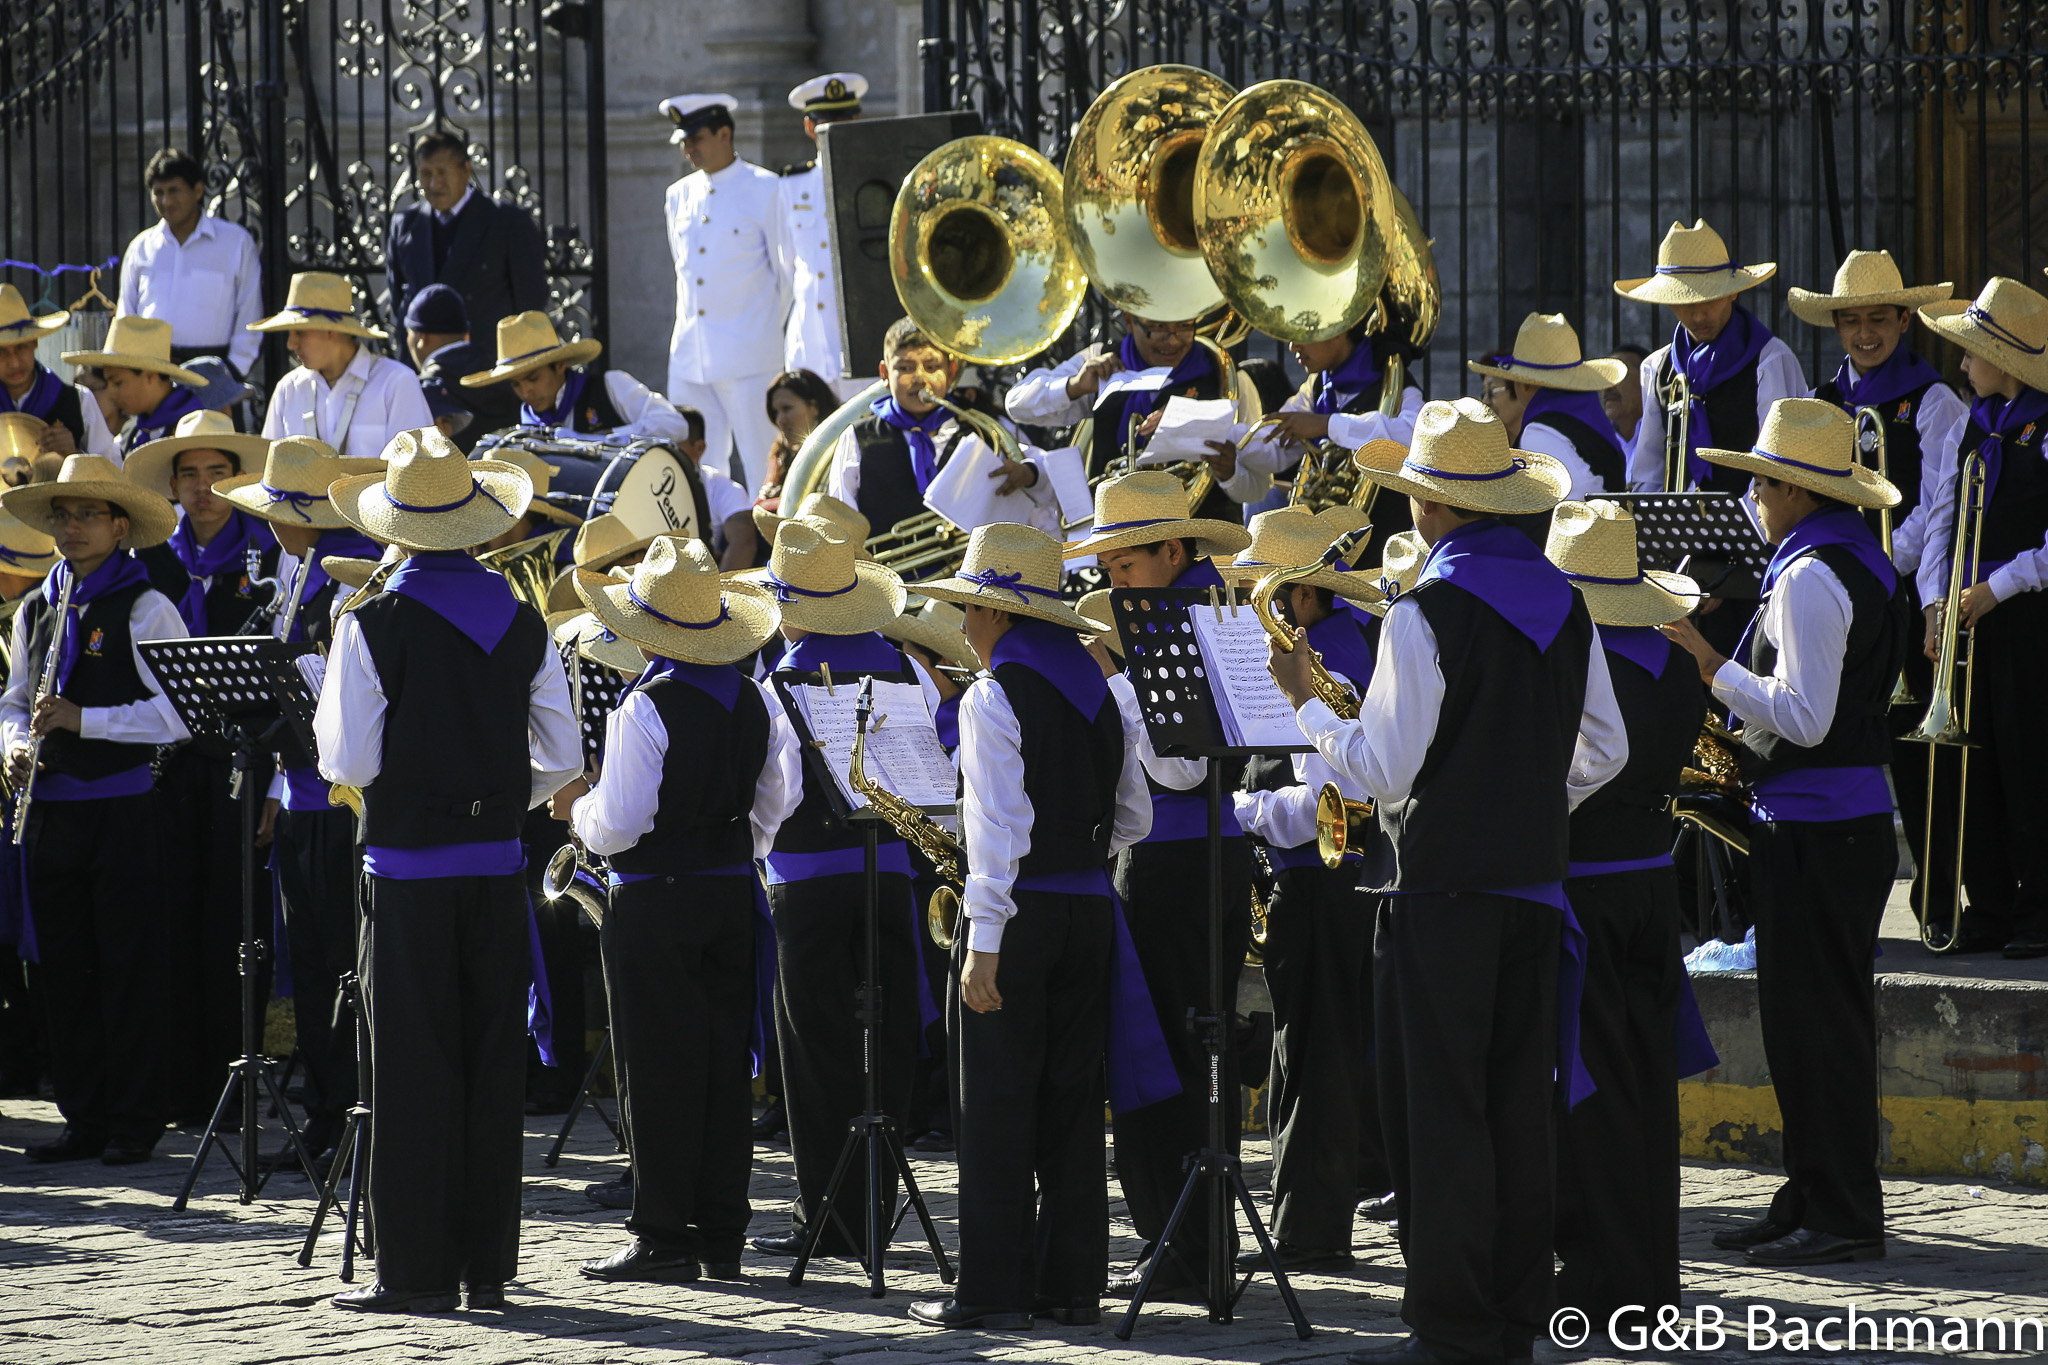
304	113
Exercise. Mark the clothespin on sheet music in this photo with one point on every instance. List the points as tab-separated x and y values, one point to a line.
1216	604
830	690
1230	595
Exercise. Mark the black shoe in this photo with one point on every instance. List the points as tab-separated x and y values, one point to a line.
612	1194
934	1141
484	1298
378	1299
641	1259
1807	1247
789	1244
123	1152
2024	946
773	1123
69	1146
1296	1259
1069	1312
960	1316
1753	1234
1415	1351
1379	1209
724	1270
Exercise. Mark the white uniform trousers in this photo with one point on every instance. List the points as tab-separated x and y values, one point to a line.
735	414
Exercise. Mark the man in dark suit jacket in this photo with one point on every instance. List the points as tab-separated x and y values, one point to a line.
437	335
489	253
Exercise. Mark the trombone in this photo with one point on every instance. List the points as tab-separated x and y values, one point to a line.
1677	398
1946	726
1870	443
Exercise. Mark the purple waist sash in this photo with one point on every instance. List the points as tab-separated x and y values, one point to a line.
64	787
1625	865
492	858
1185	815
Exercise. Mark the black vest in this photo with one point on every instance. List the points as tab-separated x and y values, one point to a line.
231	599
1860	736
104	675
1731	421
708	777
888	486
1630	816
1902	453
456	768
1488	810
2017	512
1071	767
68	412
812	827
1596	450
594	414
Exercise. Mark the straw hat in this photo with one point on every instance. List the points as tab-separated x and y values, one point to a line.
137	343
150	463
1344	517
1594	544
606	539
542	473
1812	443
1460	455
1865	280
433	497
18	324
25	550
151	516
2007	325
1015	568
823	585
318	302
348	570
815	505
594	640
1547	356
1400	562
1148	506
292	487
1095	609
939	627
527	341
1694	266
1288	536
676	605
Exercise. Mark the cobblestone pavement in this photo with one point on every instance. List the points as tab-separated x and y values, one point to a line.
94	1266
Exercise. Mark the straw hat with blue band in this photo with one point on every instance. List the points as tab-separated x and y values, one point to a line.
1694	266
432	496
1287	536
1593	544
2007	325
676	605
138	343
937	626
527	341
821	584
1866	279
1461	455
1400	563
25	551
1015	568
291	488
150	464
317	301
1812	443
592	639
151	516
1150	505
17	323
1547	355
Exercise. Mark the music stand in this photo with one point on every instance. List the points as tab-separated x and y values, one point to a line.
239	689
1709	537
585	1098
1180	714
351	1153
871	1131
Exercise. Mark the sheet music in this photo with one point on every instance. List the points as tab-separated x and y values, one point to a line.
1133	381
903	755
1254	711
1187	427
964	493
1070	485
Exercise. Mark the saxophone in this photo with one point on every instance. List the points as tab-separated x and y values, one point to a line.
947	857
1328	690
337	793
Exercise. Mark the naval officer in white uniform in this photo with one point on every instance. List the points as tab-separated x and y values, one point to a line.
726	237
811	341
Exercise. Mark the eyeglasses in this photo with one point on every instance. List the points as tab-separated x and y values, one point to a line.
1165	330
57	518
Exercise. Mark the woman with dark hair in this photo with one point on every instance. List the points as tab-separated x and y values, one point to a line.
797	401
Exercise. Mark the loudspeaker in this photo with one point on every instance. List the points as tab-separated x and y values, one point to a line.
865	161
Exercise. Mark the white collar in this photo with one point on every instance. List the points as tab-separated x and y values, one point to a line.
202	228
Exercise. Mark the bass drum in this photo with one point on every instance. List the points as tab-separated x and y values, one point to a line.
650	487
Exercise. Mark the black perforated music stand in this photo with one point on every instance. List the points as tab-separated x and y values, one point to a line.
1709	537
239	689
1179	708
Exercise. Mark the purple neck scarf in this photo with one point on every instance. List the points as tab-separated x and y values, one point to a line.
1340	639
1901	373
44	389
165	419
1503	568
1644	646
1583	406
1706	365
1139	404
563	413
204	561
1999	418
917	432
461	592
1200	574
121	570
848	654
1336	388
720	682
1836	525
1055	654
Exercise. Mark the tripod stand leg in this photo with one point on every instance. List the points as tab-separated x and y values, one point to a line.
1272	1256
344	1152
878	1135
206	1141
291	1126
1162	1250
814	1231
604	1050
915	1200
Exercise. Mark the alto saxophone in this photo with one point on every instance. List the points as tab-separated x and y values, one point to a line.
339	794
1328	690
927	835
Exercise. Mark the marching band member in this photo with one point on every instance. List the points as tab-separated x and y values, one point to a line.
700	769
1558	391
1617	1223
2004	336
554	390
1318	947
725	237
811	340
1735	366
1470	1028
342	394
26	555
1145	538
444	704
91	840
149	389
1052	789
26	385
1812	680
207	566
604	542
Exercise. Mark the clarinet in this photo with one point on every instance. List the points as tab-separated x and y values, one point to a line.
45	684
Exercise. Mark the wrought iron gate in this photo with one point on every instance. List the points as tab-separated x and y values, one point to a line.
1547	144
304	113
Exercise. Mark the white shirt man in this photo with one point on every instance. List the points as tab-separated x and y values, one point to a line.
374	400
209	287
811	340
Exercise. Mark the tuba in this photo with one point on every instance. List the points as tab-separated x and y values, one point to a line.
925	544
813	459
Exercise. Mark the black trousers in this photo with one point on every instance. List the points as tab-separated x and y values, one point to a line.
319	874
1031	1097
1165	891
1466	1009
201	898
445	967
1321	1107
679	976
567	945
2005	850
1617	1150
821	958
93	881
1820	893
931	1092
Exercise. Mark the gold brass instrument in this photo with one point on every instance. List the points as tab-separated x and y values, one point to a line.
560	880
20	442
45	685
1946	725
1328	690
1677	400
1412	300
926	835
1871	449
1342	824
340	794
529	566
1716	760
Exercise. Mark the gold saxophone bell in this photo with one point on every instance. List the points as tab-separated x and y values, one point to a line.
1342	824
351	798
940	848
1328	690
560	880
1716	761
942	917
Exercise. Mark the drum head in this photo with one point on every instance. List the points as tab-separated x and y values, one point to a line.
651	493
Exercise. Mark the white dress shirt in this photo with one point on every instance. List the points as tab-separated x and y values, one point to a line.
1939	419
99	437
1807	617
843	479
1177	774
348	723
1262	458
2028	571
644	414
728	498
811	341
153	720
619	811
1381	752
1777	376
726	238
386	400
208	287
1548	440
1287	818
996	814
